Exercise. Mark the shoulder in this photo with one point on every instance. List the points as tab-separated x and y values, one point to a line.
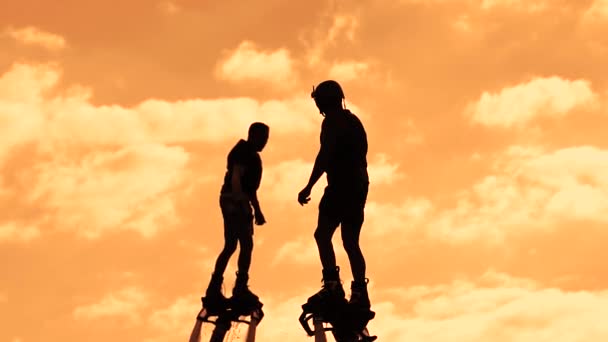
239	150
355	120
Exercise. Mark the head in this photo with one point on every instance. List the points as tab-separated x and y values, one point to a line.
328	96
258	135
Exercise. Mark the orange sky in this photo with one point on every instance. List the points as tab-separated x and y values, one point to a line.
488	206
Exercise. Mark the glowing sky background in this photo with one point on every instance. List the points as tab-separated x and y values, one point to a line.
488	207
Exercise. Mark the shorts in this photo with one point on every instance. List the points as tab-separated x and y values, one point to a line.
238	217
344	205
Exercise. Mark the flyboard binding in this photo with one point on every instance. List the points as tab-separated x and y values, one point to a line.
222	315
347	322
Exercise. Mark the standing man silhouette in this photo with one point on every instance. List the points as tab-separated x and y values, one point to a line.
237	197
343	157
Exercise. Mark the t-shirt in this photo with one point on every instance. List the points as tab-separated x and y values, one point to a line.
245	155
343	137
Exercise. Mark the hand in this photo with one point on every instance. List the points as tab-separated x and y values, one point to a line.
304	196
259	218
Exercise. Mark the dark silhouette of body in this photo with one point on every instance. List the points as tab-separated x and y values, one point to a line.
343	158
238	197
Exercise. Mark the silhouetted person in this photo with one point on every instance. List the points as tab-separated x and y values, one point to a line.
343	157
238	196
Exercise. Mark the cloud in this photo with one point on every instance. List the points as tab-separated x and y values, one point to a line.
301	251
249	63
530	190
389	219
520	5
597	12
173	322
125	303
104	168
343	27
12	231
494	307
126	189
540	97
73	118
33	36
169	7
470	311
577	187
348	71
284	180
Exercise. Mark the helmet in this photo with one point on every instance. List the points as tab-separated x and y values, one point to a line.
328	90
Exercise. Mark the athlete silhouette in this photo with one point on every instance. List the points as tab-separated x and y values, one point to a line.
237	197
343	158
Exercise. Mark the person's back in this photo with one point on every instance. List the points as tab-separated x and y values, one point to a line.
243	153
347	165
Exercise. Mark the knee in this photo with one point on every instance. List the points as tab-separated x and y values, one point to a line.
351	245
247	244
229	246
321	236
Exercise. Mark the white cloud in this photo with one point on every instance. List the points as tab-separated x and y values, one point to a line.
520	5
27	113
541	97
125	303
512	311
82	144
302	251
12	231
283	181
383	172
348	71
169	7
249	63
343	26
33	36
175	321
108	191
530	191
495	307
575	181
597	13
389	219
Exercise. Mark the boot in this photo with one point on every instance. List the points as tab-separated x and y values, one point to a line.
214	298
359	296
241	289
332	287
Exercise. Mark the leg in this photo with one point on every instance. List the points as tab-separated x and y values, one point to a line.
230	244
327	224
350	239
246	244
324	233
245	237
351	231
